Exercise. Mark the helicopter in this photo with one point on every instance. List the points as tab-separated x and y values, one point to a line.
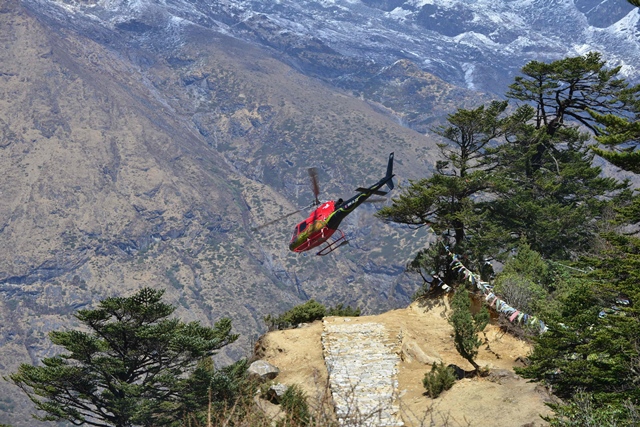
323	222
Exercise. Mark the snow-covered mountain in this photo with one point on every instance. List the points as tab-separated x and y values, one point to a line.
477	44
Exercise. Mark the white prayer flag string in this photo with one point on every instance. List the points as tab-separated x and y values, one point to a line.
513	314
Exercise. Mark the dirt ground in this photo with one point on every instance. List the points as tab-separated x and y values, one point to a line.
423	335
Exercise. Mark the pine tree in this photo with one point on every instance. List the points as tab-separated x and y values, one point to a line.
546	185
586	350
555	205
526	175
127	365
445	201
621	136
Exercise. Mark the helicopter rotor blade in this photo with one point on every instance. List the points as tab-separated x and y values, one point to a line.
266	224
313	174
282	217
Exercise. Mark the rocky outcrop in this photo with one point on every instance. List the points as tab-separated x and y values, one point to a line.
370	370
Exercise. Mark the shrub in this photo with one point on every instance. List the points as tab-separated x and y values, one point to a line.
467	326
347	311
307	313
520	292
440	378
582	411
294	403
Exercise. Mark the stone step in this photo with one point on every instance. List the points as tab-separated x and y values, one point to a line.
362	364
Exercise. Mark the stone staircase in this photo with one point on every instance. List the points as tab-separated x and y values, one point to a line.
362	364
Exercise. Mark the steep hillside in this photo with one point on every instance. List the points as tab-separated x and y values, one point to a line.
125	165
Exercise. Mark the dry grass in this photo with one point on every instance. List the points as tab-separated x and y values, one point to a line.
259	413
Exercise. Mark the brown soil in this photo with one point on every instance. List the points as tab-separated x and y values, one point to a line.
423	335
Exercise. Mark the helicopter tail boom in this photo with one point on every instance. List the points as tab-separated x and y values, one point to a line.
376	192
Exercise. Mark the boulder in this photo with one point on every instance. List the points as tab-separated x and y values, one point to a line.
275	392
263	370
412	351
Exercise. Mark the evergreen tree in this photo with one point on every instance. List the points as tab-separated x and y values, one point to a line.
587	350
621	136
538	183
127	366
211	392
546	186
554	206
467	326
568	90
591	355
445	201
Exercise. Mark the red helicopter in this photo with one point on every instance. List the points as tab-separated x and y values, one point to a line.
323	222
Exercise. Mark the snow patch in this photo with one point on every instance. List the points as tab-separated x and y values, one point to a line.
468	69
627	26
471	37
420	3
583	49
399	13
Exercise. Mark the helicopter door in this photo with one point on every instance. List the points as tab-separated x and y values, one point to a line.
299	229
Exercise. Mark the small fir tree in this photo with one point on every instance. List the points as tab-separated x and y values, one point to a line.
439	379
466	326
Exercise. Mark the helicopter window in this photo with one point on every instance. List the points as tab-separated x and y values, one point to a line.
302	226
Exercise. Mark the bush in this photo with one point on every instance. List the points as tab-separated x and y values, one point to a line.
521	292
524	279
306	313
347	311
440	378
294	403
582	411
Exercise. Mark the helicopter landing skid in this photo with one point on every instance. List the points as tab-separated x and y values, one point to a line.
334	244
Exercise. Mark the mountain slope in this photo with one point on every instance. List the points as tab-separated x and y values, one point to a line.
141	141
127	166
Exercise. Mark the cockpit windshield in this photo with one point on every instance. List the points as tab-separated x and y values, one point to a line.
299	229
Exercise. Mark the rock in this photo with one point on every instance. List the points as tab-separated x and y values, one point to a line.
412	351
275	392
501	375
264	370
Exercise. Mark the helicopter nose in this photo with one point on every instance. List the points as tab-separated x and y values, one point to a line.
294	244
